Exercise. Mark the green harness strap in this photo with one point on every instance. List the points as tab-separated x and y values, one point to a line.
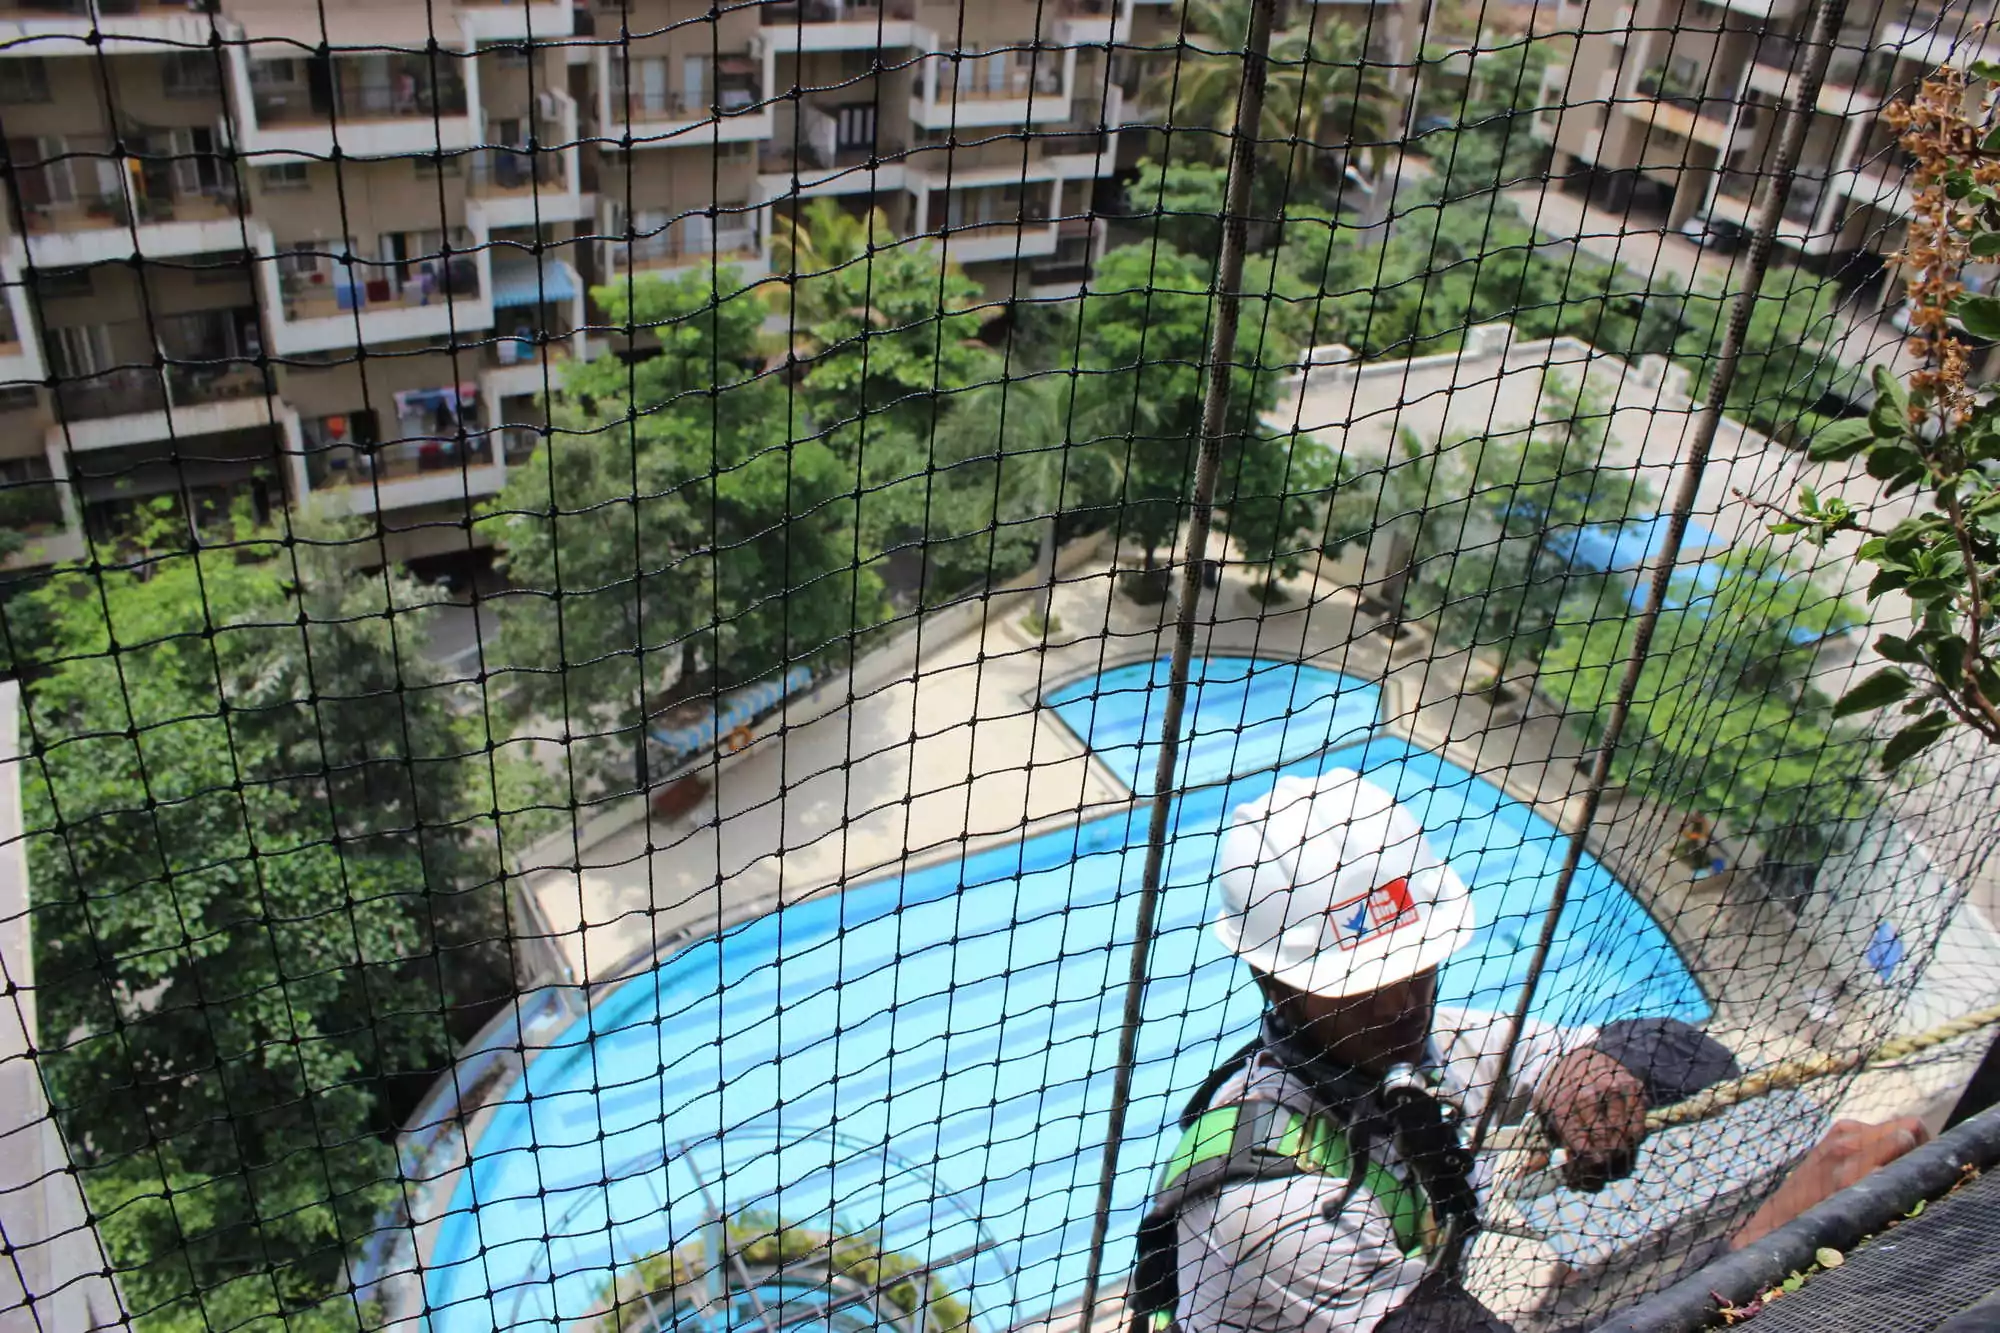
1318	1147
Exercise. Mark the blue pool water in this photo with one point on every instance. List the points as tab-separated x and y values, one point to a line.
964	1017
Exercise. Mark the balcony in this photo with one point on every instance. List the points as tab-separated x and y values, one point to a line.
805	143
369	105
734	109
1095	22
677	248
137	405
524	184
526	361
320	303
368	479
1676	110
513	20
996	88
123	27
109	228
831	25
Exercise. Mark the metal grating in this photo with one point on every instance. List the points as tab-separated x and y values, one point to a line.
1908	1280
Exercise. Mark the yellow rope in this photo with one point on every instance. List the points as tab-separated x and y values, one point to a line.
1783	1075
1794	1073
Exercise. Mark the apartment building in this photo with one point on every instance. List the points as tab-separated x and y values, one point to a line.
268	252
1675	106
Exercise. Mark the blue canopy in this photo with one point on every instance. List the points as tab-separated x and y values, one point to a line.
516	282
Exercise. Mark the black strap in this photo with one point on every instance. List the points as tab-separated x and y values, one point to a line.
1155	1283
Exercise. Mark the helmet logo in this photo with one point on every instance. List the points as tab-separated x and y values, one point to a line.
1386	908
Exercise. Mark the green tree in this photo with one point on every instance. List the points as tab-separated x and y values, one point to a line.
881	329
1143	361
1180	201
1726	721
1324	100
672	535
1505	550
1786	372
262	887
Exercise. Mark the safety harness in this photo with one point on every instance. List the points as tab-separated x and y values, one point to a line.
1258	1139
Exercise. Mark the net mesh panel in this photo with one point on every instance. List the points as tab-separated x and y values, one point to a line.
589	594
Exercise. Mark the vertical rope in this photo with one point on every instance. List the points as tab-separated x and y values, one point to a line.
1818	49
1201	506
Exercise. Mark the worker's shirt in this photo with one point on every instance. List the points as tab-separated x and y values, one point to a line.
1265	1257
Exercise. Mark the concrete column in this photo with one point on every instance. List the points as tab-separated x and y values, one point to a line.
72	509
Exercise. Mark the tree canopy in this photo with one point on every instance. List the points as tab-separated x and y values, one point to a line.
673	533
265	884
1727	720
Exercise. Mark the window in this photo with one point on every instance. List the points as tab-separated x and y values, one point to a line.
511	56
448	165
283	177
79	350
191	74
274	73
23	80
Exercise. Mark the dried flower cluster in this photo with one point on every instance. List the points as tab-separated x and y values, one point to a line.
1945	142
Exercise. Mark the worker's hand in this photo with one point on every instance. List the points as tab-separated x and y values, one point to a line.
1850	1150
1595	1108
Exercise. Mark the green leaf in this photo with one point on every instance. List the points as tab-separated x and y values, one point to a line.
1948	656
1887	580
1979	314
1914	739
1888	418
1893	648
1785	529
1888	386
1841	440
1987	243
1885	687
1890	460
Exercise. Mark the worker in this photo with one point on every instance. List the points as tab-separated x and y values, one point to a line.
1322	1184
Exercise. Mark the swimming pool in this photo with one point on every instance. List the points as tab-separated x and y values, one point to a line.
963	1018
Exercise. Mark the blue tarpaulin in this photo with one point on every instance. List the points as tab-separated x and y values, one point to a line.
516	283
735	709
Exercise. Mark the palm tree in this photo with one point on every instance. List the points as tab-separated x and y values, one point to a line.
821	239
1321	88
825	236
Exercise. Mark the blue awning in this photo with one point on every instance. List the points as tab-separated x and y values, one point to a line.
516	283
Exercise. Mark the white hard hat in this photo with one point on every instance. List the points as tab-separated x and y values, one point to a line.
1329	886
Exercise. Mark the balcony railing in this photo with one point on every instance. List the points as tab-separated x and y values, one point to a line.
411	90
518	347
510	171
332	290
972	85
360	465
674	247
134	390
110	8
735	90
776	158
835	11
117	393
